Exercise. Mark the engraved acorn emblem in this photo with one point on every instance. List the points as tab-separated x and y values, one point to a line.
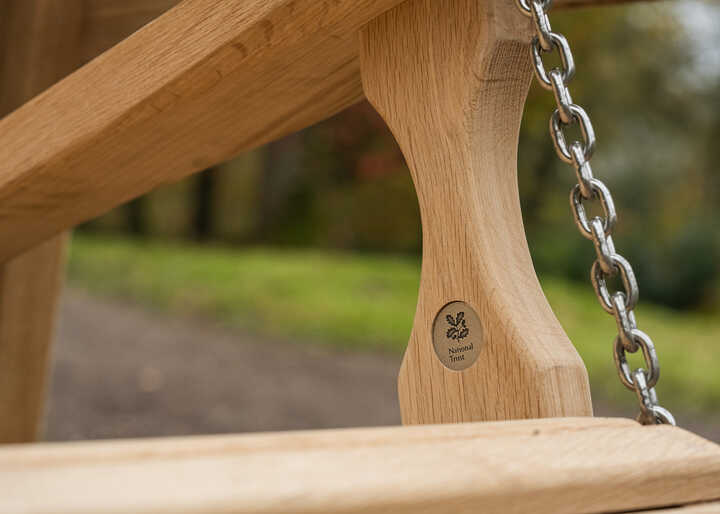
458	329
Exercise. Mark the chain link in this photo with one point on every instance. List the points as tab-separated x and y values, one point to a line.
608	263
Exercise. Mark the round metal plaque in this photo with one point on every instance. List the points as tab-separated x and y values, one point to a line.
457	336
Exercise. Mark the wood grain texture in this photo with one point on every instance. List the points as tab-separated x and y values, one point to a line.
450	78
39	44
560	466
30	287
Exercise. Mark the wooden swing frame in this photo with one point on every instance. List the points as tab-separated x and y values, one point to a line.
209	79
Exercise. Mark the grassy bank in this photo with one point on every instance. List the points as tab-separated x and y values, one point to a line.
368	302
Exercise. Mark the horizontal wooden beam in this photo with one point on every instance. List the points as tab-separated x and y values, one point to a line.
204	82
559	466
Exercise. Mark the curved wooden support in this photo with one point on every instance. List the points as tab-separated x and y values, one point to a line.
450	78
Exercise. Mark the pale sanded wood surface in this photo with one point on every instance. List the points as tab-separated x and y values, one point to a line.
202	83
450	79
39	44
578	466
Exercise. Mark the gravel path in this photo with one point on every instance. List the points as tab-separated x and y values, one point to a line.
120	371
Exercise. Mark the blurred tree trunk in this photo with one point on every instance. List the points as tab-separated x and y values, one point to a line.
136	212
533	201
203	224
281	176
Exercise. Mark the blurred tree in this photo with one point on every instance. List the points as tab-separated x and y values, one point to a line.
204	193
280	194
137	217
656	110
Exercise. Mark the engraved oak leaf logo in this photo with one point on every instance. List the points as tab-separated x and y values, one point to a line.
458	329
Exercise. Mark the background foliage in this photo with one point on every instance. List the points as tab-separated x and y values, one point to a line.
649	75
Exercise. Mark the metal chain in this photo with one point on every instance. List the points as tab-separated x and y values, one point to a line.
598	229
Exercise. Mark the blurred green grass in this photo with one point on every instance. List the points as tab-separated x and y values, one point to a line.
368	302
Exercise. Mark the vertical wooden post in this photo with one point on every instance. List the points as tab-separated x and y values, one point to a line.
39	44
450	78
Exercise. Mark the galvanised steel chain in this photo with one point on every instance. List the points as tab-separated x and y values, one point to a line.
609	263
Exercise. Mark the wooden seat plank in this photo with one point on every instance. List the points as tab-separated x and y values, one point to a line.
568	465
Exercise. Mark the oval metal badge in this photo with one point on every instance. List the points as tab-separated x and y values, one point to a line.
457	336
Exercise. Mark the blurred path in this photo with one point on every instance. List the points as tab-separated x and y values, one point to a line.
121	371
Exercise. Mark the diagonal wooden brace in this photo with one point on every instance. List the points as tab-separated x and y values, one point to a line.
450	78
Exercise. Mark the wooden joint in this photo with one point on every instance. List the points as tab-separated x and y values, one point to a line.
450	79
